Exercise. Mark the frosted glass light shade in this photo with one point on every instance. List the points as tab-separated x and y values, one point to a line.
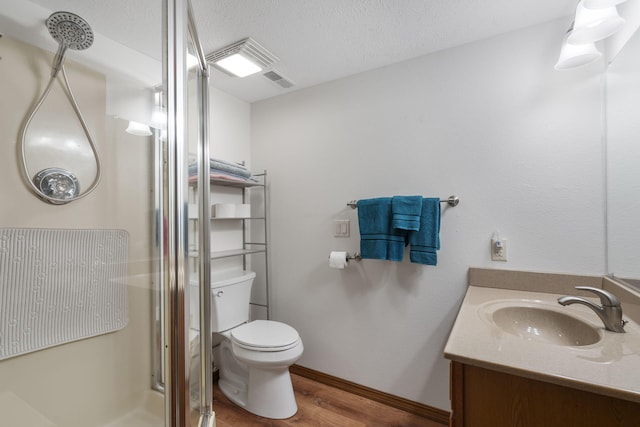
239	65
138	129
599	4
576	55
594	24
242	58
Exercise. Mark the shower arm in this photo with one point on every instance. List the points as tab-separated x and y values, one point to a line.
57	66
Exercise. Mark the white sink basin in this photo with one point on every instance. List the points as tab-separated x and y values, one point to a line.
550	343
543	324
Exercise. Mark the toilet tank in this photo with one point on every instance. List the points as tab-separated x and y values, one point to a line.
230	296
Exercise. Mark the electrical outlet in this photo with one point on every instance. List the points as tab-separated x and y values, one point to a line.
498	249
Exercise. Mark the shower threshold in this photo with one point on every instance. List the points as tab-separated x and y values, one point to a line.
149	414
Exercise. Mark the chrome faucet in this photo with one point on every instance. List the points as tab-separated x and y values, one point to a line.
610	312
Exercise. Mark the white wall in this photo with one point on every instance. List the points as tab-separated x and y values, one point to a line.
491	122
623	155
613	45
230	128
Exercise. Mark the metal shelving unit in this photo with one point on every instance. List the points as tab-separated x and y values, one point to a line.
248	247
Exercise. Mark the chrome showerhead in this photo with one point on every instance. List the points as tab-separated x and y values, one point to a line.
71	32
69	29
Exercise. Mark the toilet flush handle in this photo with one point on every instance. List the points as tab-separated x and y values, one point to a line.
219	294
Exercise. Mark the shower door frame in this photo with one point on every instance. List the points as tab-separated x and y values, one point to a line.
180	28
207	417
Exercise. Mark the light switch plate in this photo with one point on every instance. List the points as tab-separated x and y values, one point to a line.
341	228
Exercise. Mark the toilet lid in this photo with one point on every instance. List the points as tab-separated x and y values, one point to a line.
265	335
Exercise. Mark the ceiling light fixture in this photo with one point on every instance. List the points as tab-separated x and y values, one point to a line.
242	58
576	55
599	4
138	129
592	25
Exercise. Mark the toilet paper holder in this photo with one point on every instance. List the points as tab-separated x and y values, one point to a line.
356	256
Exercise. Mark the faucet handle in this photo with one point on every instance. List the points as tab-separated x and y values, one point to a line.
606	298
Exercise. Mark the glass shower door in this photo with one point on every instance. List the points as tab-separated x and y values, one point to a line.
186	202
67	270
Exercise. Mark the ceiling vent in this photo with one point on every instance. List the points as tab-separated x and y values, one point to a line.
278	79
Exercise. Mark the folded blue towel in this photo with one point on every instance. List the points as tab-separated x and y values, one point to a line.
378	239
426	241
406	211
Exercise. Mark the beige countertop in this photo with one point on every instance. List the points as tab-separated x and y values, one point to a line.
609	367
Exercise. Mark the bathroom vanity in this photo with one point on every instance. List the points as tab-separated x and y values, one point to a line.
487	397
518	358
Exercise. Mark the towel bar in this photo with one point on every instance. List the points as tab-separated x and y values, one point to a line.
451	201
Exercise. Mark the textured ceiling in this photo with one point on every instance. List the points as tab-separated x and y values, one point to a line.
319	40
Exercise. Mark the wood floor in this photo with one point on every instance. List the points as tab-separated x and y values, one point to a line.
320	405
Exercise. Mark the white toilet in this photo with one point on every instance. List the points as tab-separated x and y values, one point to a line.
253	358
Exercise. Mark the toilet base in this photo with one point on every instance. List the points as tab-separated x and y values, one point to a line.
262	390
270	393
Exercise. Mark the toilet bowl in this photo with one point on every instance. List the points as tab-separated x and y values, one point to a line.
253	357
254	367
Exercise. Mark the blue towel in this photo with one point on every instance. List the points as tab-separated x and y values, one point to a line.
378	239
406	211
426	241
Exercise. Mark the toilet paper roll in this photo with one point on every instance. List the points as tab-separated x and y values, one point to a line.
338	259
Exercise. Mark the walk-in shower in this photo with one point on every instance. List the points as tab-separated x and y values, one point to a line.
50	149
54	184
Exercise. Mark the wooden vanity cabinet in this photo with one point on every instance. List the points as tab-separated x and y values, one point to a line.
485	398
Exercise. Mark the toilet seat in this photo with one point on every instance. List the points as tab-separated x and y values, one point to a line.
265	335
